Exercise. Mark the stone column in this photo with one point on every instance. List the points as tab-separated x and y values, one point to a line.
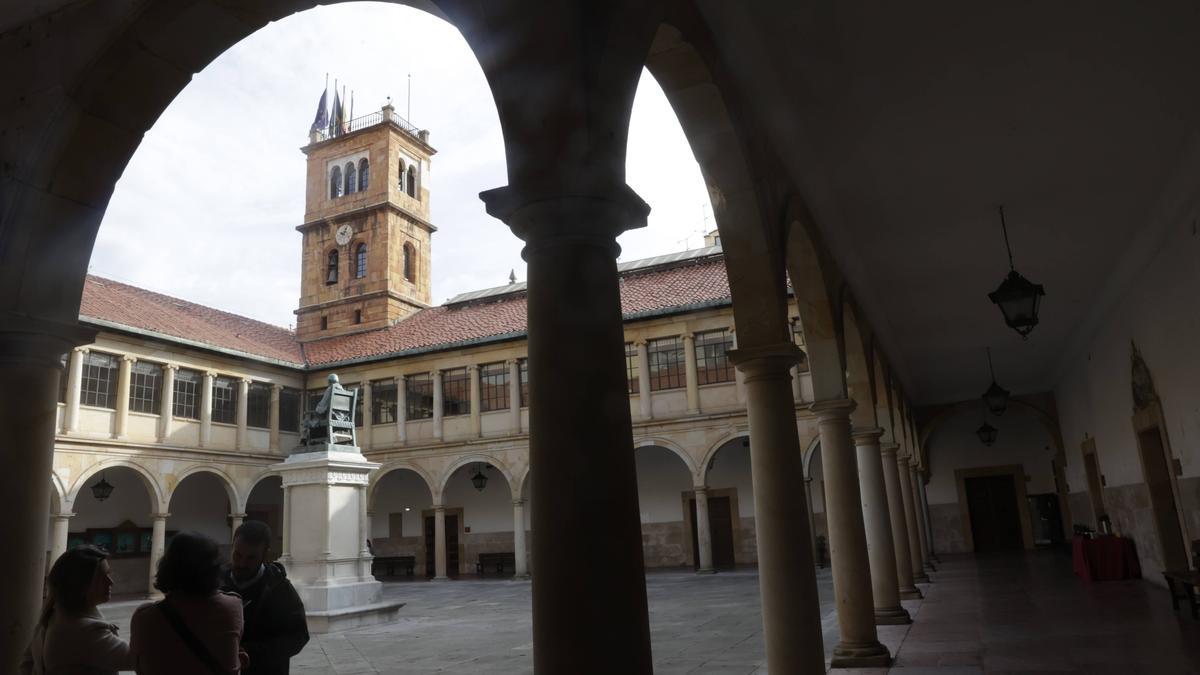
645	399
922	536
62	527
242	415
812	518
121	419
520	552
787	579
881	552
158	542
910	522
858	645
273	417
235	521
401	409
514	395
368	416
891	478
689	369
206	409
703	532
74	382
739	378
476	421
437	403
797	390
285	555
439	542
927	520
166	411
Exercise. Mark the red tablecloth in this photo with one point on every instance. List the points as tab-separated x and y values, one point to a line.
1105	558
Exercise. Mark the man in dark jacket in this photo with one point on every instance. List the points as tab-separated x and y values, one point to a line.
275	628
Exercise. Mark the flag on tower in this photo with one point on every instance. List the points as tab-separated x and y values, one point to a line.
336	122
321	121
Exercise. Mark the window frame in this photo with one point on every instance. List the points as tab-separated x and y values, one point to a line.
258	402
138	387
98	382
351	175
456	392
668	366
360	260
187	392
335	182
364	174
632	371
418	396
712	356
523	376
493	387
383	401
332	262
289	419
224	406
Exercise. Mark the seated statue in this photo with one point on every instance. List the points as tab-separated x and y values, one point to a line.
332	421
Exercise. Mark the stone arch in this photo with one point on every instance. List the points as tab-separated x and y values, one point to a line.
58	493
1043	418
660	442
155	491
521	482
857	366
881	387
812	278
231	491
810	451
395	465
713	449
469	459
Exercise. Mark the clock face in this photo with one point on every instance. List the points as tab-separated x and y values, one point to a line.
343	235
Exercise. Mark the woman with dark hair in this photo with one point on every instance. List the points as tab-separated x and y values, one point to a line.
71	636
196	629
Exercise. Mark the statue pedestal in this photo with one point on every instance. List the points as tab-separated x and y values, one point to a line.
325	538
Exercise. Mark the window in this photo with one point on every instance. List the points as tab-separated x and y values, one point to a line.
335	182
360	261
187	394
798	338
63	376
358	316
258	405
145	387
631	366
289	409
412	180
351	178
99	383
324	323
418	397
456	392
358	403
410	262
523	371
224	400
493	387
712	364
383	401
667	370
364	172
331	267
311	398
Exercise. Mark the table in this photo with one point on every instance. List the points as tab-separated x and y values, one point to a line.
1105	558
1188	580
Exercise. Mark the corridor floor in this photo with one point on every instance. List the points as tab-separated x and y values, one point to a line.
1012	613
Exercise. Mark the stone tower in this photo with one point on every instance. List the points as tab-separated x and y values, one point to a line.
366	248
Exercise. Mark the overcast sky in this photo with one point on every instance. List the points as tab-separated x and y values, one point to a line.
207	208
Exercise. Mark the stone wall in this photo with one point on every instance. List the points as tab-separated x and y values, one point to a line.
1081	509
1128	506
947	529
1189	492
748	553
664	545
484	542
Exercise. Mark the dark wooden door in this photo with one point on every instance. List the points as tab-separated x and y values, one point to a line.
1162	499
430	548
720	526
995	516
451	546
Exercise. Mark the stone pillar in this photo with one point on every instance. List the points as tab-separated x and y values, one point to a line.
285	555
401	409
368	417
891	478
858	645
881	552
476	422
273	417
739	378
910	522
520	552
437	403
915	475
927	520
206	409
121	419
167	410
703	532
62	527
645	400
787	580
242	415
158	542
74	382
514	395
689	369
235	521
439	542
812	518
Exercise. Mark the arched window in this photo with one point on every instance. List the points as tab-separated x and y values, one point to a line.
351	178
412	180
331	267
360	261
335	182
364	174
402	174
410	263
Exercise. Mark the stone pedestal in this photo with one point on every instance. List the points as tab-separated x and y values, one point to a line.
325	492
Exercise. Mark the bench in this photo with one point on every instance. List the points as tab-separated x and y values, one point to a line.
497	562
390	563
1187	581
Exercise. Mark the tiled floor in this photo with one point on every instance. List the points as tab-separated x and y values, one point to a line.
1016	613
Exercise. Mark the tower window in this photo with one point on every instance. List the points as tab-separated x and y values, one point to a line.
351	178
331	268
358	316
360	261
324	323
410	263
335	182
412	180
364	174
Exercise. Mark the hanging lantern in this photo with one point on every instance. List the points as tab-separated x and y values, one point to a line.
479	480
102	489
987	434
996	397
1018	298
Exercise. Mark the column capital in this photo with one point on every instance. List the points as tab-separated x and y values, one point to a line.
472	367
700	488
61	516
832	409
557	211
237	515
773	360
82	350
866	435
129	358
277	387
245	380
160	516
640	342
510	362
689	336
439	508
889	448
435	373
171	366
518	502
210	373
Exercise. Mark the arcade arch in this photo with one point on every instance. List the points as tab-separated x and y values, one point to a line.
398	498
665	483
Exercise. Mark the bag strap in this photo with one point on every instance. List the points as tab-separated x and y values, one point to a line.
189	638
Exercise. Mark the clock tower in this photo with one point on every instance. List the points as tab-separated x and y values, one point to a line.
366	230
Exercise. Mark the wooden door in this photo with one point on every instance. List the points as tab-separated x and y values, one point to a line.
1162	499
995	515
430	548
720	527
1091	467
451	546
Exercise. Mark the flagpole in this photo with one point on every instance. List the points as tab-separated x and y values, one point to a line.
408	113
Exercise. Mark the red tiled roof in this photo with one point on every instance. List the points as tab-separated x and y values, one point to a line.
114	302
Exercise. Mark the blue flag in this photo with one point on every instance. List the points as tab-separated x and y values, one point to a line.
322	119
335	122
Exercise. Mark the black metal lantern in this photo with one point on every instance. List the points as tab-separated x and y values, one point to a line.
1018	298
987	434
479	480
996	397
102	489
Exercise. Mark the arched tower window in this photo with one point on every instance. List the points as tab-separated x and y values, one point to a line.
351	178
364	174
335	182
331	267
360	261
412	180
410	263
402	173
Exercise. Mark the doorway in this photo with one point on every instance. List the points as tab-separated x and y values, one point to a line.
451	546
1095	480
1047	519
1162	498
720	526
994	513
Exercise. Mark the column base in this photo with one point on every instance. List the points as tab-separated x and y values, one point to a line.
929	566
921	579
913	593
332	621
860	655
708	571
892	617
